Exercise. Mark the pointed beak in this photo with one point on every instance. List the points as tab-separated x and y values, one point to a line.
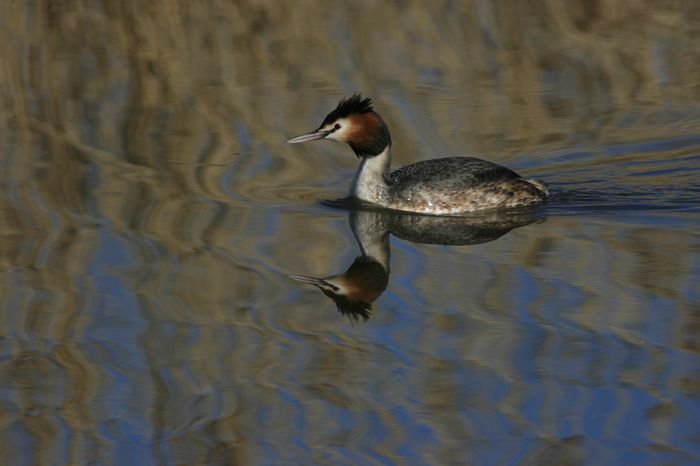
312	136
309	280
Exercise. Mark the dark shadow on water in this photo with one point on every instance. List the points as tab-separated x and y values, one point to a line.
573	199
626	178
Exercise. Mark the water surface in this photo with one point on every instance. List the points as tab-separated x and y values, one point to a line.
150	215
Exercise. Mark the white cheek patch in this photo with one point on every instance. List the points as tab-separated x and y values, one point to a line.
340	134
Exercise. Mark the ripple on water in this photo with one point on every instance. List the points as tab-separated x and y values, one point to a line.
151	213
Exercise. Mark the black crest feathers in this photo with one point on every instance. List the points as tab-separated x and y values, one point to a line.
369	276
349	106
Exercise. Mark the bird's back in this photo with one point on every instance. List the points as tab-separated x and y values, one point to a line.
459	184
461	172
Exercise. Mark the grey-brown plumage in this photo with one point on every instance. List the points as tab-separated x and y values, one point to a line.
451	185
459	184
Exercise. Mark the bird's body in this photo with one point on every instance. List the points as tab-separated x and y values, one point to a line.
450	185
444	186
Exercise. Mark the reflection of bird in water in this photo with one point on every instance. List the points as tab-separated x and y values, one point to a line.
367	277
365	280
450	185
354	290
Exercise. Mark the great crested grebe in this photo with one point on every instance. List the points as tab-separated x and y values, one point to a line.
451	185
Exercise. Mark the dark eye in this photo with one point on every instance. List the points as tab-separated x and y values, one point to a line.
336	126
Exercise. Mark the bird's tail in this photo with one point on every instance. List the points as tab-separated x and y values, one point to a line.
539	185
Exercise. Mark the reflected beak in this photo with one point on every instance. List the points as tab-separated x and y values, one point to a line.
312	136
307	279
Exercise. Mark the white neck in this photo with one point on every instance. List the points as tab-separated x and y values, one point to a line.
370	182
371	230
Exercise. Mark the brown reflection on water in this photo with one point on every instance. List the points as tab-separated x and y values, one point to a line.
149	212
159	84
